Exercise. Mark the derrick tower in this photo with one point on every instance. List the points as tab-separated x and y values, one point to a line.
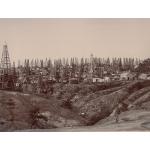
91	66
6	77
5	61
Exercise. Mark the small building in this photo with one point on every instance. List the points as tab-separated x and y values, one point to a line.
98	80
115	77
107	79
127	76
143	76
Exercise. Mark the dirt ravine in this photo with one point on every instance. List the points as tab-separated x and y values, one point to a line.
78	107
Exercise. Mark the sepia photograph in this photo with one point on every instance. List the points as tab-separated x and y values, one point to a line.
74	74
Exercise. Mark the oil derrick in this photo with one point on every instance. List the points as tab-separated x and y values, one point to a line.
91	71
6	77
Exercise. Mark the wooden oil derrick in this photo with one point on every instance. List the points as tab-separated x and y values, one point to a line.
6	75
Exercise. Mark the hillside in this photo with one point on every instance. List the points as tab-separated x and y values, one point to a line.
78	107
134	120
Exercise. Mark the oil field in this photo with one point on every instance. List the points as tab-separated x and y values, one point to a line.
74	75
91	94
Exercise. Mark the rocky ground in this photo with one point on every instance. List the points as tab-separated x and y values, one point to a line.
80	107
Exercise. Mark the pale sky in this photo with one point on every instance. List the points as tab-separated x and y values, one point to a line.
54	38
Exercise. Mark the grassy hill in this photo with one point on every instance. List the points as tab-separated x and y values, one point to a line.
77	107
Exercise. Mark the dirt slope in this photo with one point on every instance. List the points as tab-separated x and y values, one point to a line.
76	105
95	109
18	106
134	120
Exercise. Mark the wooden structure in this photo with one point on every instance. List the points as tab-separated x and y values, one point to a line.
6	74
